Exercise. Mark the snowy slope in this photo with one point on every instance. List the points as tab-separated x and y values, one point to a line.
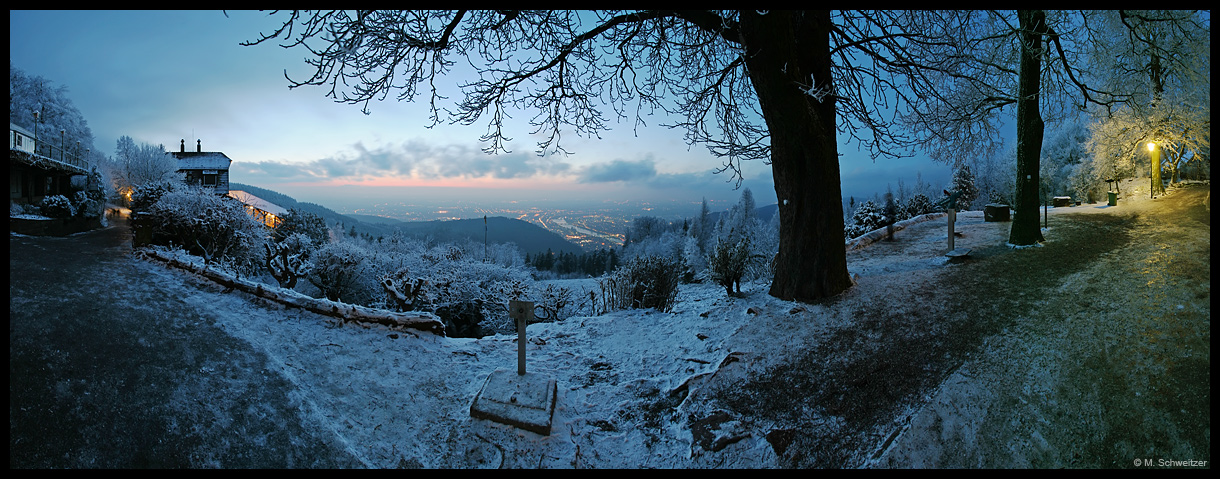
629	382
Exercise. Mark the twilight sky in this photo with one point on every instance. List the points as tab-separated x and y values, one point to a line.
161	77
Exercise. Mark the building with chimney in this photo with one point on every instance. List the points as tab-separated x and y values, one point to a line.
208	169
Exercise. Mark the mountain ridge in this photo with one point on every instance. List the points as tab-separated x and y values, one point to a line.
528	237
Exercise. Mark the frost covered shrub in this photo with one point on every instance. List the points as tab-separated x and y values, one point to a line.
144	196
695	259
667	244
728	263
919	204
289	259
58	206
308	224
643	282
504	254
208	225
444	280
342	271
88	203
556	302
868	217
995	197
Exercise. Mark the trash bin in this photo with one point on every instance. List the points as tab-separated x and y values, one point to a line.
141	229
1113	198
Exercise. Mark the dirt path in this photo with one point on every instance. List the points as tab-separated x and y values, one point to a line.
1090	351
1108	366
109	370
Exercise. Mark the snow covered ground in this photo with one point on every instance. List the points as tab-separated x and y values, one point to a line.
402	398
630	383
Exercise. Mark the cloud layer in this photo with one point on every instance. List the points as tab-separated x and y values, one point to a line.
421	163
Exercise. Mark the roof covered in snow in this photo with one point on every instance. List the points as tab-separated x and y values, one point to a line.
249	199
202	160
17	128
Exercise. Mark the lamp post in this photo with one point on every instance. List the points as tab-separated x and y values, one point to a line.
35	132
1154	173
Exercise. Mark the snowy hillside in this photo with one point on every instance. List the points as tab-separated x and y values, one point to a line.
646	389
627	379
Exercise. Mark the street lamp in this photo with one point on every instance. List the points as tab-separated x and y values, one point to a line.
35	132
1153	175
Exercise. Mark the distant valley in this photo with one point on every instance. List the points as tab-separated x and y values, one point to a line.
532	229
530	238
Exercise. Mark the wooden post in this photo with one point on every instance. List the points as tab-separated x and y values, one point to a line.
522	312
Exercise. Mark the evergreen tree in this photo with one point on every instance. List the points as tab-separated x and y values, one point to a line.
963	183
868	217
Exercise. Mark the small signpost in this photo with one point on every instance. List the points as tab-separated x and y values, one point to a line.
524	400
523	313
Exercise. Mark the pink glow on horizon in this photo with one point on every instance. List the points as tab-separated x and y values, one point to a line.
475	183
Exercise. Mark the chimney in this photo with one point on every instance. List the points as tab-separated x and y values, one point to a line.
198	146
183	146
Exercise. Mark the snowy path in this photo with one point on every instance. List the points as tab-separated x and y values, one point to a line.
110	368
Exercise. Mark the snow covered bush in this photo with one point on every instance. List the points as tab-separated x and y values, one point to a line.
450	280
649	236
144	196
868	217
308	224
341	270
58	206
642	282
745	244
289	259
998	198
916	205
1084	183
728	263
208	225
667	244
88	203
695	260
764	246
406	292
557	303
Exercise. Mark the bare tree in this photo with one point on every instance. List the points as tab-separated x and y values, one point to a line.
139	165
1164	57
749	85
1044	63
1013	58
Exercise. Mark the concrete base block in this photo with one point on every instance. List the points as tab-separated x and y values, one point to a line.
523	401
959	254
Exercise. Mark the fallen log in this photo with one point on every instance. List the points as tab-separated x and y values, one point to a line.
347	312
883	232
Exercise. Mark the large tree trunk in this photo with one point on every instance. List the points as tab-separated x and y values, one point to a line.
1158	92
1158	186
1025	229
784	50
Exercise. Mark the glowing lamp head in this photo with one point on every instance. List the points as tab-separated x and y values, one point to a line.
1151	146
